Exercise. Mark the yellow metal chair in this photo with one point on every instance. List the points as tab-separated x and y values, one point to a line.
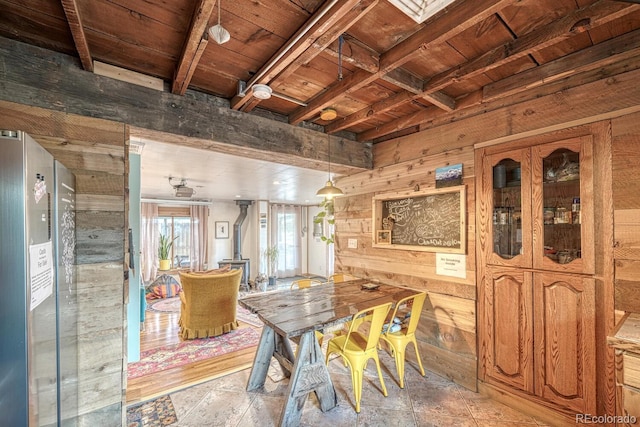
407	312
304	283
340	277
356	349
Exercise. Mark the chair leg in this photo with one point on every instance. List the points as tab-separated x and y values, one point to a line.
415	345
384	387
399	358
356	383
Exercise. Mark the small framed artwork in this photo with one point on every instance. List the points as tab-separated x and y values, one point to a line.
384	237
222	229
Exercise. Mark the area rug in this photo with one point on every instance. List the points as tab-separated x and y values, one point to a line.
173	356
172	305
155	413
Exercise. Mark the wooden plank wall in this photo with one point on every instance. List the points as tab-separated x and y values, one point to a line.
94	150
626	201
447	332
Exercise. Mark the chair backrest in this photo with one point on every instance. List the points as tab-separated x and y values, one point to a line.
412	305
340	277
304	283
375	316
202	290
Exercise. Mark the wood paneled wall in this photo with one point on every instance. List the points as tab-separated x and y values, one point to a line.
626	202
94	150
447	331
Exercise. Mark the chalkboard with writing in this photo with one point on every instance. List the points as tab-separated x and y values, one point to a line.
431	220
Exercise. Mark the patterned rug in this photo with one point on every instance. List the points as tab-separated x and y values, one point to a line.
173	356
172	305
155	413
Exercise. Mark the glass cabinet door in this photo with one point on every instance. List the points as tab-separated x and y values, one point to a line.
508	190
563	235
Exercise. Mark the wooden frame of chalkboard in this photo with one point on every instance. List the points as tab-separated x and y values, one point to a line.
430	220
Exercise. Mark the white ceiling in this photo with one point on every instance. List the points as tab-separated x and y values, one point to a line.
218	176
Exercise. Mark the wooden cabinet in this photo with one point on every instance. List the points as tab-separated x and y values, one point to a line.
564	340
537	293
508	317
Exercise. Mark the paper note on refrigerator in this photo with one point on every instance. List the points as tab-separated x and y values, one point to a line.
40	272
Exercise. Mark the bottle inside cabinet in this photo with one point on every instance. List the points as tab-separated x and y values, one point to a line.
507	202
561	214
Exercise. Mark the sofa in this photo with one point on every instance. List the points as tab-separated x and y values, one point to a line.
208	303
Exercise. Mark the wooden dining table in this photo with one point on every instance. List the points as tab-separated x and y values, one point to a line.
299	313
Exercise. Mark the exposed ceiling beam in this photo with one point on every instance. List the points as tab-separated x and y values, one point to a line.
437	29
620	49
332	34
589	17
37	77
624	49
581	20
77	31
285	58
193	47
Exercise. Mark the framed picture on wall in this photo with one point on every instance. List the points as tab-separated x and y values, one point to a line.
222	229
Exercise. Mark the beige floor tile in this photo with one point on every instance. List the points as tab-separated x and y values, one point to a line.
185	400
430	420
381	417
438	398
218	408
264	412
497	423
483	408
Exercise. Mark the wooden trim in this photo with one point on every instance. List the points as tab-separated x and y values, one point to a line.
180	211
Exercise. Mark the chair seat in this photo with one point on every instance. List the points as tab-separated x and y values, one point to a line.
356	344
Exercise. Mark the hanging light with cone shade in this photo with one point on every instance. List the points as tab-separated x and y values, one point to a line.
218	32
329	191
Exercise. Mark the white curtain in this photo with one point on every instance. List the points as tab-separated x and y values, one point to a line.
199	237
149	241
286	234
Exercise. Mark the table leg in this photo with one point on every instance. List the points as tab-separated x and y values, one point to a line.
261	362
309	374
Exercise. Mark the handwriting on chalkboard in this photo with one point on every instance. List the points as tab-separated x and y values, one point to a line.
430	220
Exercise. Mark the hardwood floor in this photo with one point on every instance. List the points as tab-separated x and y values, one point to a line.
162	329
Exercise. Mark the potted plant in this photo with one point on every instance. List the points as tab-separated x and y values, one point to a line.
271	257
326	214
164	250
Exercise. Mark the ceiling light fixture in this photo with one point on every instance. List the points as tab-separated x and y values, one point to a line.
328	114
329	191
218	32
262	91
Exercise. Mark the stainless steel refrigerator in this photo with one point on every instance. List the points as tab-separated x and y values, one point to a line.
38	289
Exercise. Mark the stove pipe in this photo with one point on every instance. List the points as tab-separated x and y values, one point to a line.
237	228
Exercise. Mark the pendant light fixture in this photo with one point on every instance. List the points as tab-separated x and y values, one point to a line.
329	191
218	32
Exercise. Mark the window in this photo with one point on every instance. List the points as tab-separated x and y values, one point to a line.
286	234
176	223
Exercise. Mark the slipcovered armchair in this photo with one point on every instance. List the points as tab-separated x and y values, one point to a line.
209	303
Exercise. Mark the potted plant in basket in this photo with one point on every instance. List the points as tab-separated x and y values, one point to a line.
271	256
164	250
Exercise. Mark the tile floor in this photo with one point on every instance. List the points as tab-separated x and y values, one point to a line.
425	401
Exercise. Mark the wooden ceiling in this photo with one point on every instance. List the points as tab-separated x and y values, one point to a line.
390	76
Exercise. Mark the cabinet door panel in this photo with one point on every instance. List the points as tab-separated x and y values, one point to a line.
564	310
505	209
509	328
562	176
